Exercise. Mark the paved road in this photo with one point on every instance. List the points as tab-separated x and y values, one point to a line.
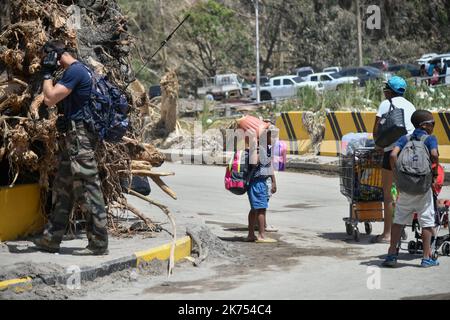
314	258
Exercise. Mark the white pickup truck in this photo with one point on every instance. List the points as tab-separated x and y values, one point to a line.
222	86
284	87
330	81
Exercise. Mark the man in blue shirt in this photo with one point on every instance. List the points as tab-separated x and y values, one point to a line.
77	180
422	204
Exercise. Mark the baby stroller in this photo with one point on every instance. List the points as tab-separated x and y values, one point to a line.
438	243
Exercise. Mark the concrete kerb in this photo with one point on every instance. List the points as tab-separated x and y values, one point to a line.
327	168
182	250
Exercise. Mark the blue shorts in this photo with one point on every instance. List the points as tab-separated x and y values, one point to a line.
258	195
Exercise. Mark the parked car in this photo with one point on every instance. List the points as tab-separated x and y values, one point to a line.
440	60
263	80
303	72
332	81
332	69
424	59
284	87
222	86
380	65
413	69
364	74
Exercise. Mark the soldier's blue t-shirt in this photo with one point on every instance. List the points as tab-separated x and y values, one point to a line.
78	79
431	142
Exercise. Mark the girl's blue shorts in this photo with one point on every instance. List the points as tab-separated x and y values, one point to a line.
258	194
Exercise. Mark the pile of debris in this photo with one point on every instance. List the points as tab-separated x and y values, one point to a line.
28	138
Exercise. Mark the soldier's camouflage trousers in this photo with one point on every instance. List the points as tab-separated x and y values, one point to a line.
77	181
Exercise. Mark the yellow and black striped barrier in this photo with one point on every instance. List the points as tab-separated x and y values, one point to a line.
340	123
442	132
293	132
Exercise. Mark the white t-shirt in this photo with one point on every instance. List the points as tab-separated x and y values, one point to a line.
402	103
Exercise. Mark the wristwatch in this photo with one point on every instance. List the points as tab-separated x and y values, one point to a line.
47	76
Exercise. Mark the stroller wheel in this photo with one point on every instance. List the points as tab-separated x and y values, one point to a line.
368	227
446	249
349	228
412	247
356	234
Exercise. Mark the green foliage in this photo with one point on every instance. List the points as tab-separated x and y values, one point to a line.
145	77
405	74
309	99
368	98
141	16
220	38
345	98
430	98
411	91
373	93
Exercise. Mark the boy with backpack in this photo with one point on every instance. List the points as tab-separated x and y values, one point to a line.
251	171
412	160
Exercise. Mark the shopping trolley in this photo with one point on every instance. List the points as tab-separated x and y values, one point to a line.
361	183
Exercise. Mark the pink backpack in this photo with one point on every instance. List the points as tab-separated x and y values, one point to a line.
236	174
279	155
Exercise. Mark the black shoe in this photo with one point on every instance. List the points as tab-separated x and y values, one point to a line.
43	243
90	251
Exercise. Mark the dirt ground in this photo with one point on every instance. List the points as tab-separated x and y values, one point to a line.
227	257
313	259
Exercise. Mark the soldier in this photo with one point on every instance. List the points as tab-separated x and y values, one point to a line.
77	179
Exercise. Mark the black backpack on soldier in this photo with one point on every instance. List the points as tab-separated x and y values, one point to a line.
108	109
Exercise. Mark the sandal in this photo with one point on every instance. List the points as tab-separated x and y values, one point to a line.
266	240
379	239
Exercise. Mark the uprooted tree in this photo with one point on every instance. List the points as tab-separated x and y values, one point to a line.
28	137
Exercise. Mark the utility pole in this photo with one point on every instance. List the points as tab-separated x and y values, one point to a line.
280	49
163	26
258	85
358	21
